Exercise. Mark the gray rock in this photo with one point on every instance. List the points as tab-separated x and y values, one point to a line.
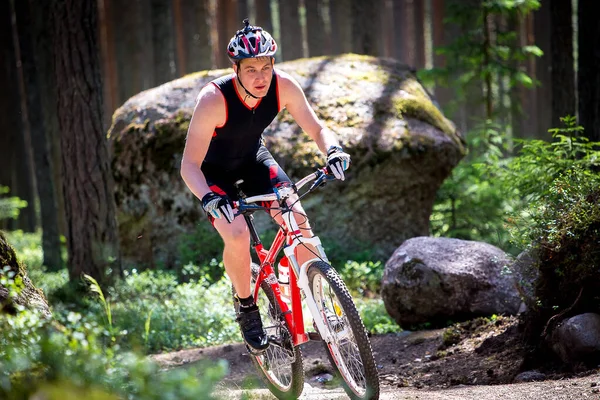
529	376
577	339
439	279
402	149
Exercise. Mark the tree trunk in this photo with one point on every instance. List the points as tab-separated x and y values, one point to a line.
589	69
227	25
109	66
264	18
563	73
542	27
10	116
242	11
92	240
388	28
404	11
341	23
41	25
21	177
291	34
315	27
163	41
419	18
442	94
41	149
196	28
366	27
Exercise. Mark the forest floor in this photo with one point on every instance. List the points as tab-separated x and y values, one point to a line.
476	360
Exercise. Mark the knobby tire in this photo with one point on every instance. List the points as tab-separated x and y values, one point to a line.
347	314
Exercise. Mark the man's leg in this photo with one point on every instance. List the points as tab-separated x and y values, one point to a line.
236	257
236	253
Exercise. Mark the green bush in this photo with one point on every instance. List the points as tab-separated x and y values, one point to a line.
151	309
560	221
203	248
40	358
10	206
472	203
364	277
375	316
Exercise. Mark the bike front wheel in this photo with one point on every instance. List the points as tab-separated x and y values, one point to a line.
280	365
349	348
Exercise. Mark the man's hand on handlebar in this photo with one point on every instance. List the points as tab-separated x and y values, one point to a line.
218	206
337	161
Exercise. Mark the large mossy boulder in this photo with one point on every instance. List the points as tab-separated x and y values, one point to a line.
402	149
18	290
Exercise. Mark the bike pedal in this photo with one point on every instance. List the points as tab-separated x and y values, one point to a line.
314	336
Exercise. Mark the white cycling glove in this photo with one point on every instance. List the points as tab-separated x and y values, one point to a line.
338	161
218	206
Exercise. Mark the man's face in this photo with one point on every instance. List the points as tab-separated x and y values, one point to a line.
256	74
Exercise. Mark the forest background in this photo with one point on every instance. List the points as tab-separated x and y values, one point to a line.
502	70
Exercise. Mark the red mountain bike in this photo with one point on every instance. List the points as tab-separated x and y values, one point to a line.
335	318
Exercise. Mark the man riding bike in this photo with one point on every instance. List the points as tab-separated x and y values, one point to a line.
224	145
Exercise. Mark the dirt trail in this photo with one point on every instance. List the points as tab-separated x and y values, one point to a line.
480	363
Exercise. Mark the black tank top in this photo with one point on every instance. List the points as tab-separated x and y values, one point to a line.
239	139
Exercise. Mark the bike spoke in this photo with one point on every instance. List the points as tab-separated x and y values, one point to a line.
343	339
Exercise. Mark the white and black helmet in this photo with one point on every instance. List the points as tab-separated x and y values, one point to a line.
251	42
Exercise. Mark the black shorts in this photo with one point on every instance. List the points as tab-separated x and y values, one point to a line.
260	176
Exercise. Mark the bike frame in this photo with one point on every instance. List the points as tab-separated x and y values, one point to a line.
287	240
288	237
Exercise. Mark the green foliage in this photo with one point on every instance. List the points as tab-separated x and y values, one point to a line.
375	317
473	61
471	204
10	206
363	277
560	217
152	309
553	178
28	249
40	358
202	249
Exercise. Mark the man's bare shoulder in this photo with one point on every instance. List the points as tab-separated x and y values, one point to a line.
210	96
286	81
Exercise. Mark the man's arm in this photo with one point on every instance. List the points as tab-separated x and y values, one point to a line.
209	113
292	97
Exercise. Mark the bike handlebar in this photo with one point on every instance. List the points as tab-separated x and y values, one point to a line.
319	175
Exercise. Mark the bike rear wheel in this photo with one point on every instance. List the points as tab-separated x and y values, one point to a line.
350	349
280	365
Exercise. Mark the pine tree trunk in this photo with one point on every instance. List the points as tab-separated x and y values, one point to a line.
227	25
315	27
440	39
197	35
366	27
107	45
21	179
419	18
291	34
589	69
404	12
163	41
388	27
542	27
340	12
10	123
41	26
264	17
41	149
563	73
92	239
